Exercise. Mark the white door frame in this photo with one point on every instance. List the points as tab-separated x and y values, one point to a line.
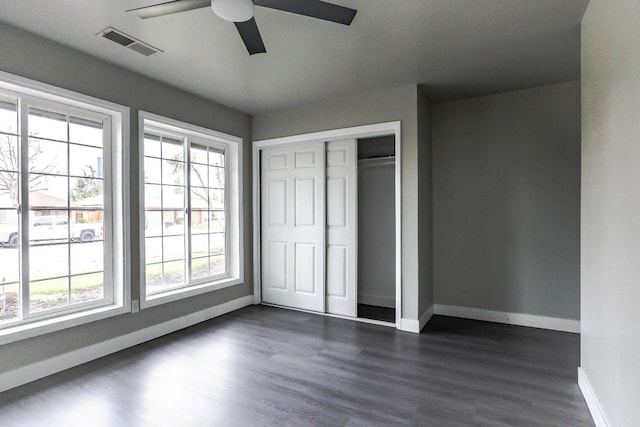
358	132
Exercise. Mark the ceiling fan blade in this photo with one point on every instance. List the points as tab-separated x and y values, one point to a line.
169	8
251	36
313	8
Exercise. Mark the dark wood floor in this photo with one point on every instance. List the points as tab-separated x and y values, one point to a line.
263	366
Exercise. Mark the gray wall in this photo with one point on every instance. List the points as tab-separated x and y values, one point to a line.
376	234
610	233
425	203
31	56
507	202
373	107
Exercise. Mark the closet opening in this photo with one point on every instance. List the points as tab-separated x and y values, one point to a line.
327	210
376	284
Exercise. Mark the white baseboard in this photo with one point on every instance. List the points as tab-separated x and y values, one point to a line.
409	325
376	300
590	398
520	319
415	326
35	371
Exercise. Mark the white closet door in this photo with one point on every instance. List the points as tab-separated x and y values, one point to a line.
342	264
293	226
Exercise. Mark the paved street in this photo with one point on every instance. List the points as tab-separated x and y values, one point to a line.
52	260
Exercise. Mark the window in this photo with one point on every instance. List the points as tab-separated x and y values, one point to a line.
61	206
191	213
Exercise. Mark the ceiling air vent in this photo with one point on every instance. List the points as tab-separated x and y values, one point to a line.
143	49
127	41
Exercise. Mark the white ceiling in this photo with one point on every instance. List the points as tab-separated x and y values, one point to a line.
457	48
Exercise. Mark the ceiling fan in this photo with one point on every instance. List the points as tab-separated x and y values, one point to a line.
240	12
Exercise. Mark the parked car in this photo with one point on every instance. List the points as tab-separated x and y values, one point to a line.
54	228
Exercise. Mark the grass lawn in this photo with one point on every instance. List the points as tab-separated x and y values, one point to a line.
90	281
60	285
155	270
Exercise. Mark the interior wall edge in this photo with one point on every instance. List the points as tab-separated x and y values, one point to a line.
59	363
426	316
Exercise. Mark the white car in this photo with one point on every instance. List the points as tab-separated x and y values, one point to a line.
54	228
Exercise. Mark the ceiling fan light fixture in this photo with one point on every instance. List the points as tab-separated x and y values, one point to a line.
233	10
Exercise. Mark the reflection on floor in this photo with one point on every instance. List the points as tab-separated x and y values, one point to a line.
377	313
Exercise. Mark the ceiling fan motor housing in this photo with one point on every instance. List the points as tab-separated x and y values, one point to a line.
233	10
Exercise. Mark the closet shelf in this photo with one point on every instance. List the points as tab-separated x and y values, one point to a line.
378	161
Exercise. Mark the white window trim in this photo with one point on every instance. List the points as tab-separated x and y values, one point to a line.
235	251
120	131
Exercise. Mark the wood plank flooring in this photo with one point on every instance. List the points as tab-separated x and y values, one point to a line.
263	366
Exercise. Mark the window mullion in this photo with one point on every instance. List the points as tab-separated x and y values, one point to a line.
162	212
23	197
108	226
187	214
227	212
68	212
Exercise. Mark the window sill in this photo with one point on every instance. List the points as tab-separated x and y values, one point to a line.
182	293
46	326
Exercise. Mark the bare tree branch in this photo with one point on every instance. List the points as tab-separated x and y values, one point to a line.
38	164
201	193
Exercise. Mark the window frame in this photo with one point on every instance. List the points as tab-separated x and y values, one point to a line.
26	104
234	252
117	242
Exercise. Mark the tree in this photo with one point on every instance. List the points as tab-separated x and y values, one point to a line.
87	186
200	188
38	164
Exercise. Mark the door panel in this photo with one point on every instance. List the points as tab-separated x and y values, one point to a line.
305	257
306	159
342	172
293	234
277	162
278	202
277	265
337	275
337	193
305	197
